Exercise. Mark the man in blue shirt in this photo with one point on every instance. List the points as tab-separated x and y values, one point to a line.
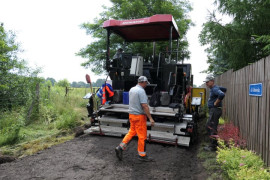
214	104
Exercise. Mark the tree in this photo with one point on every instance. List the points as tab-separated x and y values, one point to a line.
17	81
132	9
82	84
8	56
63	83
79	84
48	83
53	81
99	82
74	84
232	45
266	40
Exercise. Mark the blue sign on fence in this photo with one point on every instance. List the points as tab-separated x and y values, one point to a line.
255	89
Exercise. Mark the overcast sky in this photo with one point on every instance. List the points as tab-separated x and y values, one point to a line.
49	34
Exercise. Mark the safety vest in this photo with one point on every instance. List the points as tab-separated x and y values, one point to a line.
102	92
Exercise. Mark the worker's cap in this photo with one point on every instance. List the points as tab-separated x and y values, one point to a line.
143	79
209	78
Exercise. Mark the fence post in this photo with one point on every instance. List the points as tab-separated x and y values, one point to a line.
49	90
66	92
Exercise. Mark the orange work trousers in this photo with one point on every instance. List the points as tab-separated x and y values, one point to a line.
138	127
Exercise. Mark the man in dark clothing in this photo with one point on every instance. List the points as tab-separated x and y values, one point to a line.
118	53
214	104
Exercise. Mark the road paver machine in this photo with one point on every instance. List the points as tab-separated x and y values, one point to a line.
170	82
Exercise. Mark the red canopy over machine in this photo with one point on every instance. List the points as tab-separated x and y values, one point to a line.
154	28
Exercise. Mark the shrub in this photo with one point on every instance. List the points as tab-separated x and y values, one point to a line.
253	174
68	120
48	113
11	137
240	163
10	124
228	132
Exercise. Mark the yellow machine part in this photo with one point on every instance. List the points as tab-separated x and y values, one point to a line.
195	92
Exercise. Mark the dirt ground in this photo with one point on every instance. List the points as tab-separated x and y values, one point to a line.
93	157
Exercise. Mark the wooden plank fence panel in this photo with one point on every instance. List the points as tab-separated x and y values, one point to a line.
232	94
267	65
246	116
229	93
267	125
249	111
262	112
264	123
241	105
258	110
238	95
251	125
235	95
267	115
247	119
253	111
224	110
243	118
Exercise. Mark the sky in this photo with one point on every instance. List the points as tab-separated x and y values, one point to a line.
49	33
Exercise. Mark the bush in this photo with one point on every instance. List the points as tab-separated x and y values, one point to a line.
10	124
240	163
48	113
228	132
253	174
11	137
67	120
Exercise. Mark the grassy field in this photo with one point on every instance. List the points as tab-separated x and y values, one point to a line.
53	123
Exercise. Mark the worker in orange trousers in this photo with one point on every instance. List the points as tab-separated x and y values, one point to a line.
138	113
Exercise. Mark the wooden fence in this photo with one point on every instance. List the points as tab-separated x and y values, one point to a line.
250	113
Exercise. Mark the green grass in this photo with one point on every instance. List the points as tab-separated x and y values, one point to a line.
35	131
54	122
208	158
10	124
210	163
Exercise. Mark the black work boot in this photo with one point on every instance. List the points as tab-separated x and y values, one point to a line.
119	153
146	158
